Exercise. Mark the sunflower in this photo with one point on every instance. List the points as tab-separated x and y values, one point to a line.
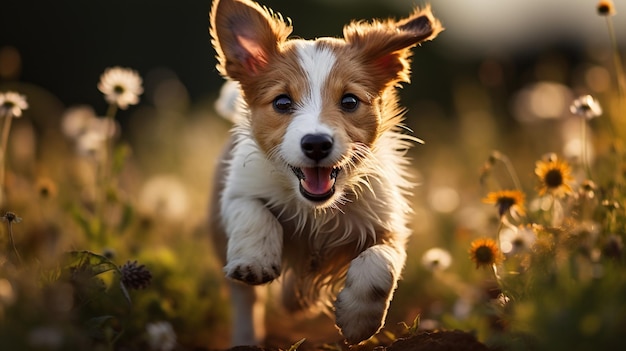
507	200
554	176
485	252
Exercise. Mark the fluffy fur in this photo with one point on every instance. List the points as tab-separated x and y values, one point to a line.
313	184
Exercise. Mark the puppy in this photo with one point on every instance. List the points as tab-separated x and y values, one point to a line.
313	184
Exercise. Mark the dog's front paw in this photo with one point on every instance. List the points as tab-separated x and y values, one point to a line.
252	271
361	306
361	313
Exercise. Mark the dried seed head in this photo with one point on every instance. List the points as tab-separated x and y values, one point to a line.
11	217
135	276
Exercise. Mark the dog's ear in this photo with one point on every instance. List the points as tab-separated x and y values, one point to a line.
246	36
385	45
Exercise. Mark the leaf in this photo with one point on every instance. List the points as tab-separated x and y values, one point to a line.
125	293
91	263
98	322
81	218
412	330
120	155
391	336
98	328
128	213
295	346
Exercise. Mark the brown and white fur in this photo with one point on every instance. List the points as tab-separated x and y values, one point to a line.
313	185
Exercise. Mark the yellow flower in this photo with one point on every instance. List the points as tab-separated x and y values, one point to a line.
485	252
554	176
46	188
605	8
506	200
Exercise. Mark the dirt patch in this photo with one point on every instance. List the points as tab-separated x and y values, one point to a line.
451	340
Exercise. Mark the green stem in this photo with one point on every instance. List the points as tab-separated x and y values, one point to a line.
584	159
17	254
108	151
104	174
509	168
5	140
619	69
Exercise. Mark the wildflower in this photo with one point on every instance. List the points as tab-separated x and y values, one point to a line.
605	8
610	205
161	336
485	252
12	104
436	259
588	189
613	247
10	217
586	106
165	197
554	176
91	143
507	200
502	300
515	240
76	120
121	86
582	238
135	276
46	188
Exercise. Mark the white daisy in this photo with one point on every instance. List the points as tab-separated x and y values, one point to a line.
165	197
161	336
586	106
436	259
76	120
121	86
517	239
12	104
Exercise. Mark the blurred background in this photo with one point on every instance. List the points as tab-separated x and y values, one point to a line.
500	77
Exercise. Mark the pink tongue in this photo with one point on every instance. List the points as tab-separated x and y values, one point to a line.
317	180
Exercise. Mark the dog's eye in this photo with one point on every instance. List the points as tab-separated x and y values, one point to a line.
349	103
282	104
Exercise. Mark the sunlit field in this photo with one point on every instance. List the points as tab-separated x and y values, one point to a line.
518	215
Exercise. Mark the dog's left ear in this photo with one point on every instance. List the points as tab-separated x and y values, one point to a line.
385	45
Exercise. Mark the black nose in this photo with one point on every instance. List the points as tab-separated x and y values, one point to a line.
316	146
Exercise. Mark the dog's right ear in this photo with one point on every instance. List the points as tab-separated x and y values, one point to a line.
246	37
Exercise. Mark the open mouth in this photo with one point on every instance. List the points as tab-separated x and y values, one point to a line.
316	183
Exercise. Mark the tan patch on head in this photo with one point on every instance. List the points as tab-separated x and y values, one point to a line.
283	77
358	126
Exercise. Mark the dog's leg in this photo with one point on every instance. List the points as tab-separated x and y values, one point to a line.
361	306
248	319
255	241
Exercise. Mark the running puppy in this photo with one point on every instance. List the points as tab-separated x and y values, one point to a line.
312	186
